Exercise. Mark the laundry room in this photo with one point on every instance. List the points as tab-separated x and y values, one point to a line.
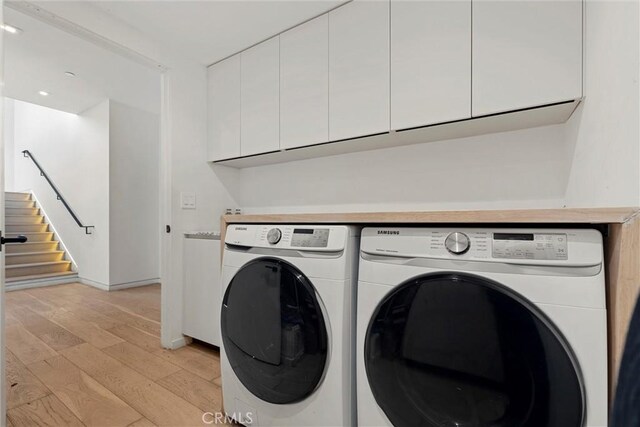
372	213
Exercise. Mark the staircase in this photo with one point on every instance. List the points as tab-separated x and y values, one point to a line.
41	258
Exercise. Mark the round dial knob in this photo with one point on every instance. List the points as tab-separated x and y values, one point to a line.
457	243
274	235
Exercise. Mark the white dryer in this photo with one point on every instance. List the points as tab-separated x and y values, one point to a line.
481	327
288	324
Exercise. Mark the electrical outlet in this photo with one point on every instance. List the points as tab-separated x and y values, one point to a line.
188	200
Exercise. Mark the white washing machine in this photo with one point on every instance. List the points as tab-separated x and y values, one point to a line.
481	327
288	324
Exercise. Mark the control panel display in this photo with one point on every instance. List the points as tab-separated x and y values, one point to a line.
545	246
310	237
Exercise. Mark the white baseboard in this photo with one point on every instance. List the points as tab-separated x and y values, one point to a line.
179	342
99	285
105	287
134	284
40	283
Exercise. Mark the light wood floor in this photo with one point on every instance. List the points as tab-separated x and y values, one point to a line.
80	356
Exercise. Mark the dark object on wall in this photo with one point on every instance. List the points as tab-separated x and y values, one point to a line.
626	412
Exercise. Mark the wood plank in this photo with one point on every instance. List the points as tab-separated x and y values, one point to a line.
204	394
137	337
559	216
21	385
623	273
92	403
25	346
147	364
50	333
142	422
194	361
130	319
156	403
45	412
88	331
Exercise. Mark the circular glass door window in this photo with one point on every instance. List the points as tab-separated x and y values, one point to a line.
460	350
273	331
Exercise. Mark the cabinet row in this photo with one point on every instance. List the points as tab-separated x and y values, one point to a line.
370	67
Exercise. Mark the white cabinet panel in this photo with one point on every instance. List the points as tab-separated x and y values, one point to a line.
223	102
359	69
260	98
304	84
525	53
202	291
430	62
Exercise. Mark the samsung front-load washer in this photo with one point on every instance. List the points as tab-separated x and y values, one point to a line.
481	327
288	323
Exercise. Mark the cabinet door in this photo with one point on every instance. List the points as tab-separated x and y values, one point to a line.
224	109
525	54
260	98
304	84
430	62
359	69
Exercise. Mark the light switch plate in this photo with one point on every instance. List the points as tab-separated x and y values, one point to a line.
188	200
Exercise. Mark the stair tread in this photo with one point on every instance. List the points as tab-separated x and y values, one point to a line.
41	276
32	243
28	232
34	253
38	264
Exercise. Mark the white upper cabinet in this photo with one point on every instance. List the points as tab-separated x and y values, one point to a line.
430	62
224	109
359	69
304	84
525	54
260	98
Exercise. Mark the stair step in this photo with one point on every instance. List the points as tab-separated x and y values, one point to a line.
10	195
44	236
21	211
19	204
41	276
12	271
23	219
33	257
26	228
21	248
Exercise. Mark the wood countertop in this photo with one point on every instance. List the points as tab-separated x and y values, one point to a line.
543	216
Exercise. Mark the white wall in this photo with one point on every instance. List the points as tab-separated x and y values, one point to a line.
134	152
603	137
593	160
9	148
74	151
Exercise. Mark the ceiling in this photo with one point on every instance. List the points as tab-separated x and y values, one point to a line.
208	31
38	58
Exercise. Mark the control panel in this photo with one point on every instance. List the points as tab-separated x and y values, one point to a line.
310	237
542	246
328	238
525	245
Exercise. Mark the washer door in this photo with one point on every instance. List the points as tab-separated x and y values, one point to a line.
273	331
459	350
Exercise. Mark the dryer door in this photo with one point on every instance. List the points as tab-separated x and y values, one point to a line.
459	350
273	331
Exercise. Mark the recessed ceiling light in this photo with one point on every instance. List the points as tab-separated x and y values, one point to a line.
69	74
44	93
11	29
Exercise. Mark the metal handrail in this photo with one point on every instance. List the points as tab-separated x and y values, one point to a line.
87	228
